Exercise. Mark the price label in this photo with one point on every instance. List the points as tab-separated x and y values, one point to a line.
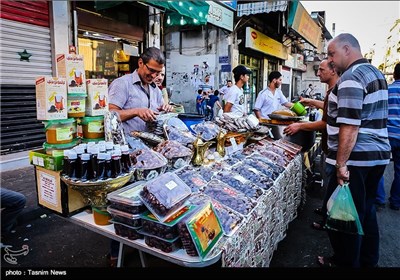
234	144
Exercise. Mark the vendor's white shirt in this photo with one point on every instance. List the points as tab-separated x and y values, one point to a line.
235	96
267	102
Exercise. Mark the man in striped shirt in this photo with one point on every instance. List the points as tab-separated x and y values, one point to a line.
358	147
393	125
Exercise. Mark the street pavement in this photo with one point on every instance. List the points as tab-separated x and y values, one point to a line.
55	242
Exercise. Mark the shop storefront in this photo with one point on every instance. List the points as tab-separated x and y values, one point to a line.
262	55
25	53
110	38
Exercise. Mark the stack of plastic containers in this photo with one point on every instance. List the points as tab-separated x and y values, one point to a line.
165	197
126	209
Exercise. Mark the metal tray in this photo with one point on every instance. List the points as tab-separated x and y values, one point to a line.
284	118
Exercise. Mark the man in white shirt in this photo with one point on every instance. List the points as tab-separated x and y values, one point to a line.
271	98
223	92
234	102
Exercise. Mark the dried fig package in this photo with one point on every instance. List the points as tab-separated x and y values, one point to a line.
165	195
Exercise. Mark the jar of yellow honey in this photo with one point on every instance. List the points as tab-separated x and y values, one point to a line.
60	131
93	127
100	216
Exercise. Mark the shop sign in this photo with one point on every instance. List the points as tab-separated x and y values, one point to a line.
301	22
231	4
262	43
220	16
223	59
299	62
289	62
130	50
226	68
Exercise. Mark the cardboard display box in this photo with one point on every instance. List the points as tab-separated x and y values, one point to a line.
49	162
51	98
72	68
55	195
97	102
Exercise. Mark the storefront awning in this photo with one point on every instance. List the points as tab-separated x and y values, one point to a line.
189	12
261	7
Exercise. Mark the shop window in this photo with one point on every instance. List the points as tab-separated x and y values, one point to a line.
105	58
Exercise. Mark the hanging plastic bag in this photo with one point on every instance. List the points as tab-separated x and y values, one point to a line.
332	198
343	215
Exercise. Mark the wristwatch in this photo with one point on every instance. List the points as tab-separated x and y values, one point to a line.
337	165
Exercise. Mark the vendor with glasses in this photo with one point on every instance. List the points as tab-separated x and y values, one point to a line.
135	96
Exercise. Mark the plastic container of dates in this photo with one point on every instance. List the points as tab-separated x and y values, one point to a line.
126	231
165	245
229	218
239	183
148	164
133	220
230	197
127	199
177	154
169	228
190	176
165	195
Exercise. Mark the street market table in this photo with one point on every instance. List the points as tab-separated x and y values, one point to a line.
252	245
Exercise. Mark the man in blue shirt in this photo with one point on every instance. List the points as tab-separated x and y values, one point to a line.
393	125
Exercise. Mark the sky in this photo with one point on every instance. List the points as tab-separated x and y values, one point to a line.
368	21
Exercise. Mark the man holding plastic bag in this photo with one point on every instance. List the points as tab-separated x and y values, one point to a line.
358	151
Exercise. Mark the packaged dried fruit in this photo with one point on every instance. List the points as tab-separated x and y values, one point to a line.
167	229
127	199
230	197
133	220
165	195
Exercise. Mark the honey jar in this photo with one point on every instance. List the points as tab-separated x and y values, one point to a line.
101	216
60	131
93	127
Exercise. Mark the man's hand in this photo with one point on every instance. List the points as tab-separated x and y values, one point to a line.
146	114
165	108
292	128
343	175
306	101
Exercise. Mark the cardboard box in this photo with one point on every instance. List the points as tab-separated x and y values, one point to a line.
55	195
49	162
72	68
97	100
51	98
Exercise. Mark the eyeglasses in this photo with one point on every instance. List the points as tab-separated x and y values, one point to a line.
153	71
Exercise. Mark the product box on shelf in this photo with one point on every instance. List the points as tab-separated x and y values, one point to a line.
71	67
51	98
55	195
41	159
97	100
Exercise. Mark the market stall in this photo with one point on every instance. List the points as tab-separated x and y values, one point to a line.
191	192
